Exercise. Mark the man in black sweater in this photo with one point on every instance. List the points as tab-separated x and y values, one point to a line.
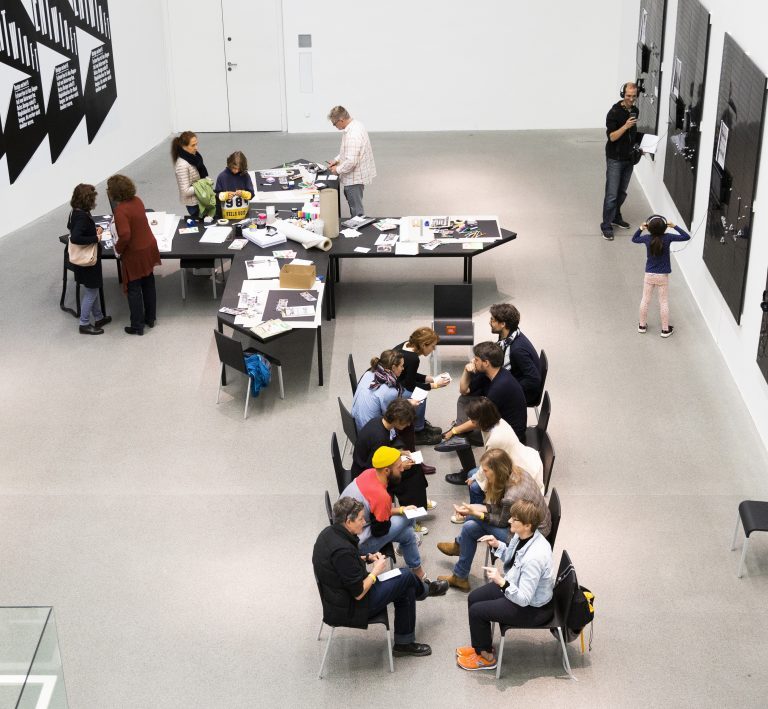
350	594
620	156
520	356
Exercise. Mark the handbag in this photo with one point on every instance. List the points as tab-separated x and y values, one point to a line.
83	255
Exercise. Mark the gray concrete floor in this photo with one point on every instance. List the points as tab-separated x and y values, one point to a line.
174	540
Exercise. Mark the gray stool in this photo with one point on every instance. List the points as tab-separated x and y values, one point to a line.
754	518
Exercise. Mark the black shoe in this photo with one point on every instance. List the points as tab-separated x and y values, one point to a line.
416	649
90	330
428	469
427	438
459	478
149	323
436	588
453	444
134	331
619	222
104	321
608	235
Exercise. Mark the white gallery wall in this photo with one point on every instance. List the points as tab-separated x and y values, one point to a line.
139	119
745	21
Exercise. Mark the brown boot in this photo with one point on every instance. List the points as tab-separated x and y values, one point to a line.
456	582
449	548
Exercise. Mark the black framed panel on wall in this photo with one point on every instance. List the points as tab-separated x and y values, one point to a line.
650	48
686	102
762	345
734	168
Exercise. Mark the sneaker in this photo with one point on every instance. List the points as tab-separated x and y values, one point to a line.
415	649
456	582
475	662
452	444
458	519
642	329
420	529
431	504
449	548
667	333
399	551
427	437
465	651
608	235
619	222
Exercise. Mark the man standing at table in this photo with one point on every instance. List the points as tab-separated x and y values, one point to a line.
623	137
354	164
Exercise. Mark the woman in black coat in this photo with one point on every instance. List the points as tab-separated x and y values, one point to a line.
83	232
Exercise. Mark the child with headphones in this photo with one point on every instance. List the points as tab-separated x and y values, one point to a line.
657	267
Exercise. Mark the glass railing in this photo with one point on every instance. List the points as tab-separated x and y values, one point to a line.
31	675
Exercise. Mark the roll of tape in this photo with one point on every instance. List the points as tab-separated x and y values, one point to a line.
223	222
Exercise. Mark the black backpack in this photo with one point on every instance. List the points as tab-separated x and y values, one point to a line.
582	611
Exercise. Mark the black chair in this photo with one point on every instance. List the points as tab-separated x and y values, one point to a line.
328	507
343	476
554	513
231	353
561	604
753	516
544	369
452	319
349	426
547	455
533	433
353	380
379	619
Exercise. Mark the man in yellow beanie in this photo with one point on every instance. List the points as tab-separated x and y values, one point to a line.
383	522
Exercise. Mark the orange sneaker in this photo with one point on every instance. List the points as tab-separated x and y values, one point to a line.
465	651
476	662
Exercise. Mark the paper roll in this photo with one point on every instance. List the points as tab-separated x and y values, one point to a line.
302	236
329	211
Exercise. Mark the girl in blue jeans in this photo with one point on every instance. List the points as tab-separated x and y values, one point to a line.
505	484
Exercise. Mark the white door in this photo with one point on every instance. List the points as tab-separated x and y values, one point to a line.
253	52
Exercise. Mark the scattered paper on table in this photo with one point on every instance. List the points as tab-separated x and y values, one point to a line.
216	235
285	253
189	230
237	244
301	262
362	249
472	246
350	233
429	246
299	311
406	248
263	267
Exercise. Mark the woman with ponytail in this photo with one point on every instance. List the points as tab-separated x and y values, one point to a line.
657	267
189	167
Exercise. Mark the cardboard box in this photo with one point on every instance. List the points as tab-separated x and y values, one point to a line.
297	276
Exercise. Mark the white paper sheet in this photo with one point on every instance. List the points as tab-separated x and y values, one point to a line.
263	267
416	514
392	573
416	456
216	235
649	142
419	394
406	248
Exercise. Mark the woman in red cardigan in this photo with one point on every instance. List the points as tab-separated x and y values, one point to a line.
137	248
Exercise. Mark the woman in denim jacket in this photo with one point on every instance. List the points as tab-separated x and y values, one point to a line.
520	597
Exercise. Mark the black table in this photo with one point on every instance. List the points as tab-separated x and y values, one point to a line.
344	248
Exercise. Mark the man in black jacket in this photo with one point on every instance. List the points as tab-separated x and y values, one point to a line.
520	356
350	594
620	152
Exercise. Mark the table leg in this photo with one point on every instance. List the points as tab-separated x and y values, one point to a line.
328	288
223	368
101	300
320	355
469	269
64	288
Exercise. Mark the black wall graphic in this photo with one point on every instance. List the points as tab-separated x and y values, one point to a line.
686	101
57	25
738	131
650	48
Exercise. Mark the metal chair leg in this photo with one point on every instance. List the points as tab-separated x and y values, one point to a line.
566	664
320	632
280	380
344	450
498	659
325	654
213	279
735	531
743	556
183	283
247	399
389	650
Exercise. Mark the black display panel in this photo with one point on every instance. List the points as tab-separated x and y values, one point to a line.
686	102
734	167
762	345
650	48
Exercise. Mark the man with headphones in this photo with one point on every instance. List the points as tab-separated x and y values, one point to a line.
621	153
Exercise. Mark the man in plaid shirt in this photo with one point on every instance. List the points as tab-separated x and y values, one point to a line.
354	164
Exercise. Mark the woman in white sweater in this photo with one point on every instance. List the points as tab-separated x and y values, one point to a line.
497	433
189	167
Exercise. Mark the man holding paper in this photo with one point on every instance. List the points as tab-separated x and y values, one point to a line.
351	594
385	523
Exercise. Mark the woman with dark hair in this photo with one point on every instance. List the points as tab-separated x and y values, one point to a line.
496	433
505	484
421	343
189	166
234	187
83	231
137	248
519	596
657	267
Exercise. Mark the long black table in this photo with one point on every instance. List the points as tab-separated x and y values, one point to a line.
344	248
